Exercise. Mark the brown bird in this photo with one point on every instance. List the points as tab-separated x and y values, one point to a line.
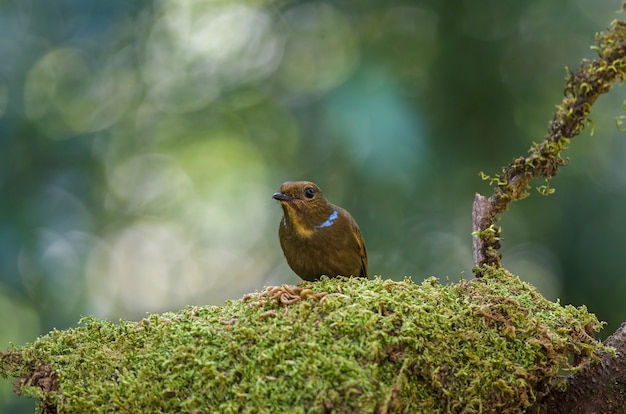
317	237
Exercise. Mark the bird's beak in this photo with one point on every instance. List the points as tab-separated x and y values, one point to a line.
282	197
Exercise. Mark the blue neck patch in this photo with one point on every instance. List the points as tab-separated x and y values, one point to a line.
330	220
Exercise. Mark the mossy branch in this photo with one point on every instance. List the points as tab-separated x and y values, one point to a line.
592	79
339	345
596	387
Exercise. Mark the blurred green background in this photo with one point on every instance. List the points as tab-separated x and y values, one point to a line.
140	144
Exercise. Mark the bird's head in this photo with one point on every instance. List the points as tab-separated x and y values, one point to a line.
303	203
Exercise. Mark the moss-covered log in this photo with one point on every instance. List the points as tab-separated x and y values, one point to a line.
344	345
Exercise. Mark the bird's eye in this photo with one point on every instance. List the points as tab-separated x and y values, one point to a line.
308	192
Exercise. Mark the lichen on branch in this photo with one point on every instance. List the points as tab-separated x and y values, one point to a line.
583	87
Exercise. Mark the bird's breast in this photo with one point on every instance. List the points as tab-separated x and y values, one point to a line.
306	227
296	227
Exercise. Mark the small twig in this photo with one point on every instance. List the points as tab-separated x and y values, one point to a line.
482	232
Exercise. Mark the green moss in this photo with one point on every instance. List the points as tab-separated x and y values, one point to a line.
367	346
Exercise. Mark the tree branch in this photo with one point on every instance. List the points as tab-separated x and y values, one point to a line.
598	386
593	78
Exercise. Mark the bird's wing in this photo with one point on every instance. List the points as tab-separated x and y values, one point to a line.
362	249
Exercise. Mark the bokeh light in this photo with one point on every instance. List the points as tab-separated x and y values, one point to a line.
197	50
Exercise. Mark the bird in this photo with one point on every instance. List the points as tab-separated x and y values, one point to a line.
317	237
